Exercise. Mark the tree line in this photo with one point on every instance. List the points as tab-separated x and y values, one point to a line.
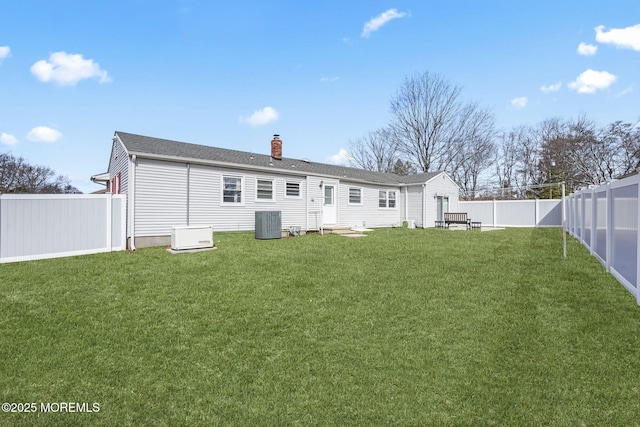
434	129
19	176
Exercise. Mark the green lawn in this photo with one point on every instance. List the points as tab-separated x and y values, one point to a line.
403	327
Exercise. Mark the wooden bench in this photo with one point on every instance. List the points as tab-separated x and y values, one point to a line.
457	218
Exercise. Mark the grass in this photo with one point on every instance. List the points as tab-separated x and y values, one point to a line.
403	327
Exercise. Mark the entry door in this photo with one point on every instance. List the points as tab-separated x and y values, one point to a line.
329	212
442	204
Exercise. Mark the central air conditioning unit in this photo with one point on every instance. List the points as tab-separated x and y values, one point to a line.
268	225
191	237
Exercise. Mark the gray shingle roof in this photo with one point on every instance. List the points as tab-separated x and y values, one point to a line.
145	145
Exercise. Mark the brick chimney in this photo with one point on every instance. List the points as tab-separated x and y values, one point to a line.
276	147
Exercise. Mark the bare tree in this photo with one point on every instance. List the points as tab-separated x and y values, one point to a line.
425	111
505	162
18	176
435	129
626	137
10	171
527	152
474	152
376	151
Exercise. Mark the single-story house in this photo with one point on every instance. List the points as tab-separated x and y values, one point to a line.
171	183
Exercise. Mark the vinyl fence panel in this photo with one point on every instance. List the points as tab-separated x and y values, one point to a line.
515	213
37	226
606	220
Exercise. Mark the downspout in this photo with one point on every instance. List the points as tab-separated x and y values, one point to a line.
188	189
132	203
306	204
321	208
406	204
424	205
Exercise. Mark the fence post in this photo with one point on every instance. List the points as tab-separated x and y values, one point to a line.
494	213
536	214
564	224
1	226
576	215
583	217
638	248
109	220
609	220
594	228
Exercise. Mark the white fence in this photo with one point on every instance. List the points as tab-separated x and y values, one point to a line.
515	213
37	226
605	219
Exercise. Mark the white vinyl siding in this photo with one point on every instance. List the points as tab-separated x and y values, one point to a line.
205	192
175	194
367	212
160	197
439	186
415	205
119	164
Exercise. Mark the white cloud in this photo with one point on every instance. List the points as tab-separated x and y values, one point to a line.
551	88
5	51
329	79
519	102
375	23
68	69
261	117
43	134
587	49
628	38
342	158
8	139
590	81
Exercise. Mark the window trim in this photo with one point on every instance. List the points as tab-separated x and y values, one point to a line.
273	190
242	191
387	199
359	202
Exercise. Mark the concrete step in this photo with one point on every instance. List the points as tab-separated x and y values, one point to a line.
339	230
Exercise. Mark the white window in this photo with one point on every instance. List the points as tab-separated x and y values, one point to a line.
387	199
293	189
355	196
232	190
382	199
264	189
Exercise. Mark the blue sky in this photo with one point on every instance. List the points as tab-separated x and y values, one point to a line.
320	74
